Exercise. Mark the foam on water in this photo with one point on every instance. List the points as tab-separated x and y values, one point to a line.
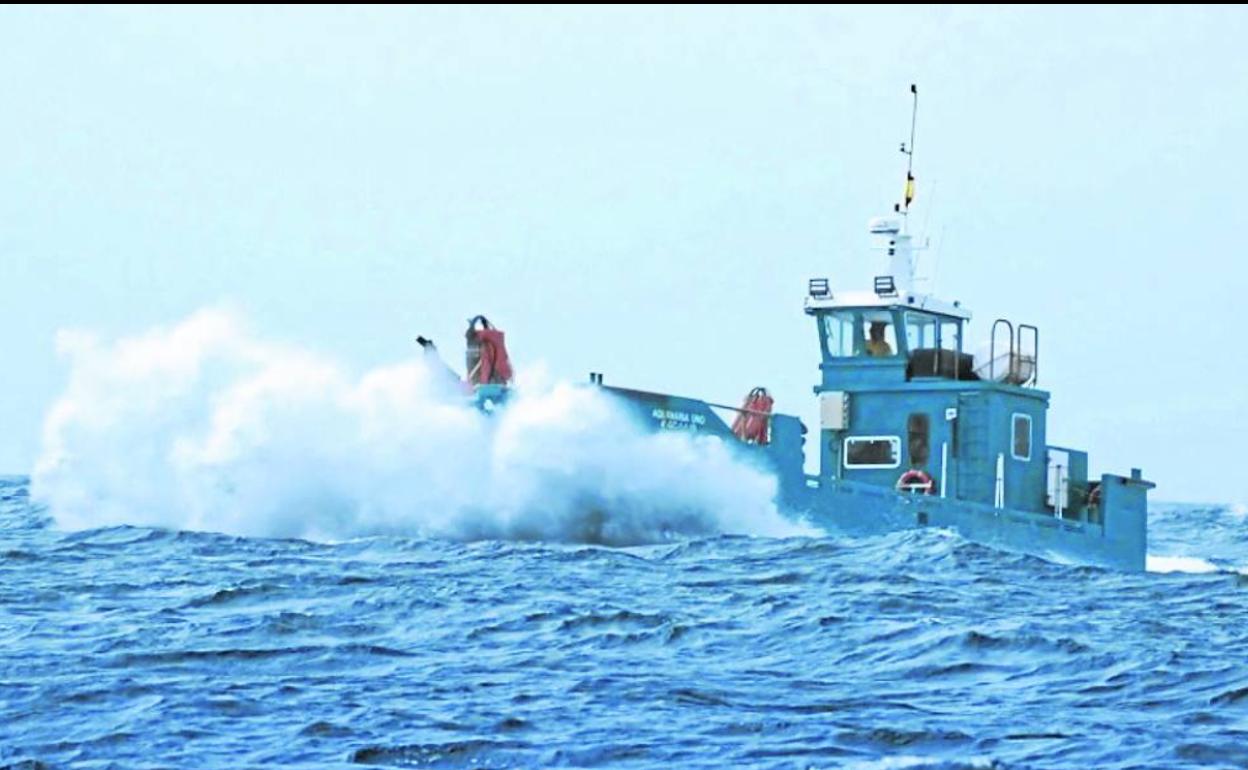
1192	565
205	426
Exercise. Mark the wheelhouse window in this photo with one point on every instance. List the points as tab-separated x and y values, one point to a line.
949	336
840	331
872	452
928	332
934	346
1021	437
879	339
920	331
864	333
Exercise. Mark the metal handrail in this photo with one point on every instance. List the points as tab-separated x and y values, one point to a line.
992	347
1035	351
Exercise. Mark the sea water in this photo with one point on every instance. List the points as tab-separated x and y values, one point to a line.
152	647
238	553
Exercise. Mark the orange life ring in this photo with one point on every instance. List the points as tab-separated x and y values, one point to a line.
916	480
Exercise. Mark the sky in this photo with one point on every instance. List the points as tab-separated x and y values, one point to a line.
642	192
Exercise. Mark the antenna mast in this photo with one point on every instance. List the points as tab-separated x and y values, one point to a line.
908	151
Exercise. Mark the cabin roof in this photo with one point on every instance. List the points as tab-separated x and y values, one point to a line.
867	299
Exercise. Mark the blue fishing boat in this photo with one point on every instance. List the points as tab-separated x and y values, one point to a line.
916	431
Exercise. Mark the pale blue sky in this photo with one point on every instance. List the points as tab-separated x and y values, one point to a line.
642	192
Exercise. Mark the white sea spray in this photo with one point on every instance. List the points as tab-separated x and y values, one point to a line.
203	425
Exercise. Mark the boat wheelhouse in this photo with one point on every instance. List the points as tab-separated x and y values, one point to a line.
904	406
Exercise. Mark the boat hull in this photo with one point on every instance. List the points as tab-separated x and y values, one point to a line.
1111	535
861	509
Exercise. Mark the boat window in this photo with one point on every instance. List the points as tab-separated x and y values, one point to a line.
879	339
920	331
840	334
949	335
872	452
860	333
918	431
1021	439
